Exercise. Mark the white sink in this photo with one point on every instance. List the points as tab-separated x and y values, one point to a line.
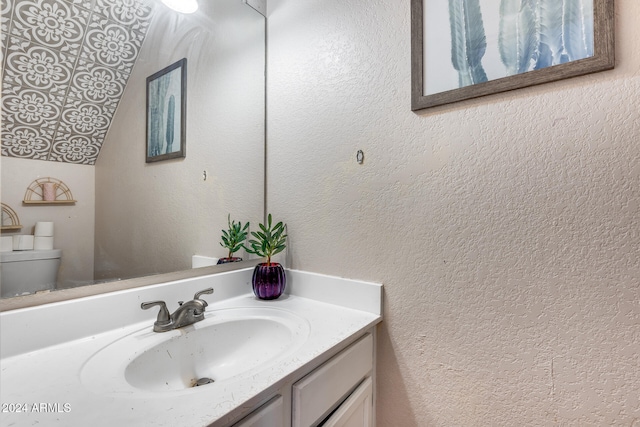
227	345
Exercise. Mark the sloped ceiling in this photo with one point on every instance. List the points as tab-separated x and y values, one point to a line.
65	65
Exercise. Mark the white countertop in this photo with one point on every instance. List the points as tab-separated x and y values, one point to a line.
45	382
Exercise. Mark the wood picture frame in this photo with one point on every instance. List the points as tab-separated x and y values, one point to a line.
557	66
166	113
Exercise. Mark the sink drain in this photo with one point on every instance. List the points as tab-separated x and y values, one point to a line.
203	381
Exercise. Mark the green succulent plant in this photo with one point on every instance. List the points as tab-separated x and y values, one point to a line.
233	237
269	240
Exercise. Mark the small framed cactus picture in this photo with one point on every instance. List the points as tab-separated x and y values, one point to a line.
167	112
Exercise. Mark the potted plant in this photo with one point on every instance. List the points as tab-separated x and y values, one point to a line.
232	240
269	279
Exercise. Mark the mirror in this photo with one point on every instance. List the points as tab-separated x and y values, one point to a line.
133	218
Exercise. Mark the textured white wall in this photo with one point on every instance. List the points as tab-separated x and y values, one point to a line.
151	218
506	229
73	228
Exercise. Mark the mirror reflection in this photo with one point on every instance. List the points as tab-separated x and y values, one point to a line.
74	111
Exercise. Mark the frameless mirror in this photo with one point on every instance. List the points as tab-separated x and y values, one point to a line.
131	218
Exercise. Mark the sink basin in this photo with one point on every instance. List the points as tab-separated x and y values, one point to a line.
227	345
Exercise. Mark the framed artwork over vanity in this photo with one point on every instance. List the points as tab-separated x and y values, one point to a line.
166	113
462	49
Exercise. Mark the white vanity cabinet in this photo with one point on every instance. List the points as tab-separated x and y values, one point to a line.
317	395
338	393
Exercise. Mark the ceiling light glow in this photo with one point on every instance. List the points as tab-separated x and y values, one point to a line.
182	6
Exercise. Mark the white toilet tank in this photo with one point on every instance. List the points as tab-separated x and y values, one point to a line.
26	272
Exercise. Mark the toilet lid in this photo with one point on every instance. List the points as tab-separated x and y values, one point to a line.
29	255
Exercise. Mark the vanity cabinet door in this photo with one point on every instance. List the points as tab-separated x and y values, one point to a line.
271	414
356	411
318	394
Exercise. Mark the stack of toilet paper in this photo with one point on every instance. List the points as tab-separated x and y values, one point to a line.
43	236
42	239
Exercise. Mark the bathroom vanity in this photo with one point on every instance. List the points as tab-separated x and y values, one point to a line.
305	359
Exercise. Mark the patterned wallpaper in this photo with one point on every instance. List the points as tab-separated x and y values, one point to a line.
65	65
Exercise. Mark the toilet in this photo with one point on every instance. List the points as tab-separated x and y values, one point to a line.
26	272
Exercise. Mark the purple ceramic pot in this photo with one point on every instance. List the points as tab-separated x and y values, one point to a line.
227	260
269	280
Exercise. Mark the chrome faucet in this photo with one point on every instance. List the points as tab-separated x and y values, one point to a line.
188	313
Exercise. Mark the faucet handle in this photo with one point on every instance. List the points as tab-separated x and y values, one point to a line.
163	315
204	291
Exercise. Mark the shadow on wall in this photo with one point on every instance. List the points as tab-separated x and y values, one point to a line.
391	388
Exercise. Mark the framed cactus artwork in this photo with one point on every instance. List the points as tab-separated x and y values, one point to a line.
462	49
166	112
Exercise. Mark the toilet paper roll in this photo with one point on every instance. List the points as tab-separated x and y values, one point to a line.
6	243
23	242
44	229
42	243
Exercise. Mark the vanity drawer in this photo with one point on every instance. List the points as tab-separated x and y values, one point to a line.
317	394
